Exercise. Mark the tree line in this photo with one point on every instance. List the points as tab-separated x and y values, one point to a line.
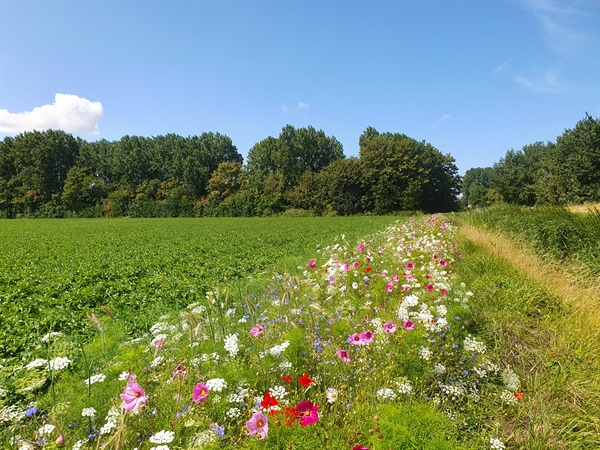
553	173
301	172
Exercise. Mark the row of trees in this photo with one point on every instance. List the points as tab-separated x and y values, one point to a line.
53	174
554	173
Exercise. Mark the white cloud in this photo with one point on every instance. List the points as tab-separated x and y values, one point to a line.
69	113
284	108
303	105
548	82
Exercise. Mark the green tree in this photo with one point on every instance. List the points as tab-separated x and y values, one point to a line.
43	159
475	184
402	174
227	179
345	186
578	162
514	176
294	152
81	190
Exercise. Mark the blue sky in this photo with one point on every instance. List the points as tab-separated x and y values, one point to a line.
473	78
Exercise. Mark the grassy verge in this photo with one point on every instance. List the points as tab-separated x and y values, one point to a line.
545	325
553	232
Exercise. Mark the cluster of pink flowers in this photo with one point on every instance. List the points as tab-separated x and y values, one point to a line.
366	337
312	264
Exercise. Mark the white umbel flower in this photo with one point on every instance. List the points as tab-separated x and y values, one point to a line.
162	437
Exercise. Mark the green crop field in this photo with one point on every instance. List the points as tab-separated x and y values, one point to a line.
54	271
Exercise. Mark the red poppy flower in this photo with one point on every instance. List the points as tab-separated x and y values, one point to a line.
268	401
287	378
305	380
368	269
518	395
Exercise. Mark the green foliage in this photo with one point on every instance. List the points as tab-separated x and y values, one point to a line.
415	426
294	152
560	173
402	174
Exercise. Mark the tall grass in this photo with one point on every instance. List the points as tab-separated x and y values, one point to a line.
548	330
552	231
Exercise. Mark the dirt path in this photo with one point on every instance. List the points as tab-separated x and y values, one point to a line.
583	294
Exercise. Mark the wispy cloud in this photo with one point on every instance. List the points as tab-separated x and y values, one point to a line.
302	105
560	24
69	113
442	119
502	67
548	82
285	108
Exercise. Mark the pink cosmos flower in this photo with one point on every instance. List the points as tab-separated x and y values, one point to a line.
343	355
389	327
355	265
443	262
367	336
444	291
409	325
389	287
430	287
312	264
396	278
258	329
258	425
355	339
308	412
200	392
409	265
133	396
360	248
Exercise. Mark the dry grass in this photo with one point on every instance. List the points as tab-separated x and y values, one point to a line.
583	295
584	208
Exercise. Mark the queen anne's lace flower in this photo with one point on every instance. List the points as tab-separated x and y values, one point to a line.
99	378
386	394
88	412
162	437
38	362
217	384
473	345
231	344
62	362
496	444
